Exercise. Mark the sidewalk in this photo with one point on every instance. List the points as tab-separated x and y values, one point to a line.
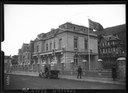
71	77
93	79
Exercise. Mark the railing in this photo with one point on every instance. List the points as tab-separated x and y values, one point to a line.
24	68
105	74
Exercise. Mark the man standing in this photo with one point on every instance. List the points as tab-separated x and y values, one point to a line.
79	72
114	72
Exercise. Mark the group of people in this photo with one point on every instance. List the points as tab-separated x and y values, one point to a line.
45	73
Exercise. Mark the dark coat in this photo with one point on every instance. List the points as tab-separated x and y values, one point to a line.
79	70
114	72
46	69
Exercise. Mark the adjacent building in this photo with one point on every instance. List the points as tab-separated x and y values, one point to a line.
25	53
111	44
7	63
14	60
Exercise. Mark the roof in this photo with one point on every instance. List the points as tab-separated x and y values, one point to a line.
24	47
7	57
112	30
64	27
49	34
75	27
111	37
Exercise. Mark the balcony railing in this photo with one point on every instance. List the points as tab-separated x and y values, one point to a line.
111	55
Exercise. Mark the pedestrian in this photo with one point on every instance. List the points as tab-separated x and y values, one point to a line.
114	72
79	72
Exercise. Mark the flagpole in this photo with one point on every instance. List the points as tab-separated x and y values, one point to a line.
88	45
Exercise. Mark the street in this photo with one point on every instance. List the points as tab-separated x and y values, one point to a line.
32	82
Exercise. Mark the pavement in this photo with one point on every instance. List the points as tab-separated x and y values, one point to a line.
72	77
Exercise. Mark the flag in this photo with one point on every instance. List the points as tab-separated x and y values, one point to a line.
95	25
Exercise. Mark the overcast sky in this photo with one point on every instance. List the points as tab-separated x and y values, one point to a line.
23	23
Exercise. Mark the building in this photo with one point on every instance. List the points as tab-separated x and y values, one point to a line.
19	57
67	46
14	60
109	50
25	53
111	44
7	63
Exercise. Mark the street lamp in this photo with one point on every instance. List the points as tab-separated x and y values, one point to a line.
100	60
100	65
84	61
72	61
121	58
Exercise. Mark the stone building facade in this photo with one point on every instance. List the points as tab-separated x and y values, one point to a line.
67	46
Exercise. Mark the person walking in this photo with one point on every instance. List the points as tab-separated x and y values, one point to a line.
79	72
114	72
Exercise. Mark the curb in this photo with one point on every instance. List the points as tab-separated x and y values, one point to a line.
99	81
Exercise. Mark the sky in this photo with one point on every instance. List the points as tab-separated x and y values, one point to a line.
23	23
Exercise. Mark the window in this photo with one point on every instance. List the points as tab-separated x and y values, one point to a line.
85	44
100	44
75	43
100	51
54	45
37	47
50	46
113	42
28	55
60	41
46	47
108	50
114	50
108	43
117	50
103	44
103	51
111	50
